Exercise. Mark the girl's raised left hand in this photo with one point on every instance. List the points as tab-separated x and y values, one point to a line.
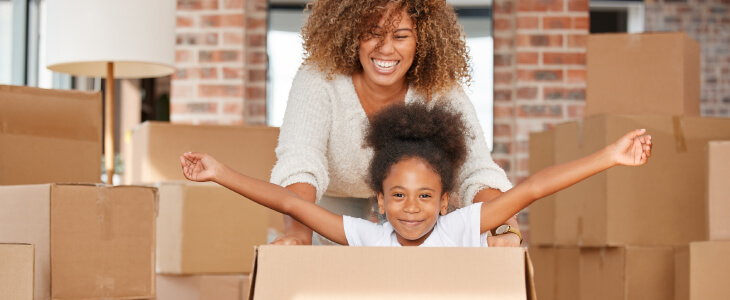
633	149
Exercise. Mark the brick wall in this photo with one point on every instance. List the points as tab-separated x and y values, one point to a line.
220	56
708	22
539	75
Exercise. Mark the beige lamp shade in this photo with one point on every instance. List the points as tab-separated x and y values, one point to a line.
138	36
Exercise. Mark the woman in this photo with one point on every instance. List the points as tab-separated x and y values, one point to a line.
361	55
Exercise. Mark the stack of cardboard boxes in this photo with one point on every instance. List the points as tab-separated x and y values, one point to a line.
622	233
206	234
63	235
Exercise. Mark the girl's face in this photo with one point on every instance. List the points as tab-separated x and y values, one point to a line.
412	199
388	64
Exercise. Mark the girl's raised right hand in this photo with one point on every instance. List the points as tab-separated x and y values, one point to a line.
199	166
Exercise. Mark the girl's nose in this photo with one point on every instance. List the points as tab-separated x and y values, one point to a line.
411	206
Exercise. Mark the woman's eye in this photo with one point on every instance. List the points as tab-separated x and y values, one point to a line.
401	37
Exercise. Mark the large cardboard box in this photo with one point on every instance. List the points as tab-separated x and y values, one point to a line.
207	229
648	74
718	190
542	212
627	273
16	271
49	136
156	148
709	275
202	287
557	272
328	272
91	242
660	203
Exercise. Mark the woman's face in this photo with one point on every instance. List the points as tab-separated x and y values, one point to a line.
388	64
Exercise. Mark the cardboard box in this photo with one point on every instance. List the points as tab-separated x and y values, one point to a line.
206	229
49	136
660	203
91	242
718	190
709	273
202	287
542	212
329	272
157	147
647	74
627	273
681	272
16	271
557	272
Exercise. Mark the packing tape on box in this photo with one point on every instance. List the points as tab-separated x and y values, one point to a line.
105	214
679	141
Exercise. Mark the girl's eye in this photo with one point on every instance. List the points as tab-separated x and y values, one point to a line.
425	196
399	195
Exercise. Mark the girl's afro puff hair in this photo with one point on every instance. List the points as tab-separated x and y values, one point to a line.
435	133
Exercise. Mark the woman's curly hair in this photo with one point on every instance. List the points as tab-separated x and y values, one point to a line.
437	135
334	29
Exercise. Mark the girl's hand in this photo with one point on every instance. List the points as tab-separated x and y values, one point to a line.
633	149
199	166
504	240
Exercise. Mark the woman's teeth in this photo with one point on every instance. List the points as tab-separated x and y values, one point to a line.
385	64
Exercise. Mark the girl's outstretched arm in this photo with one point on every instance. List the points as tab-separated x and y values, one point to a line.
202	167
632	149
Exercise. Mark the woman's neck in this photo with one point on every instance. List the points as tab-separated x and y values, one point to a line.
373	97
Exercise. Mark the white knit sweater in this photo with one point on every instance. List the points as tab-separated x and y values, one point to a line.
321	141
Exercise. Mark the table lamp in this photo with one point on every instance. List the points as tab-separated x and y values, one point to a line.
111	39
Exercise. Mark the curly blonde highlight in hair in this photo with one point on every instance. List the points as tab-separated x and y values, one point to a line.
334	29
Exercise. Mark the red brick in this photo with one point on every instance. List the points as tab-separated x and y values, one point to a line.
504	164
233	108
502	95
255	108
502	148
256	23
185	21
557	93
257	40
528	23
232	73
257	76
502	24
210	21
527	58
233	4
503	112
581	23
183	55
527	93
578	5
501	60
208	73
180	73
543	111
503	43
577	40
220	90
523	165
503	7
178	90
539	40
540	5
576	76
556	22
220	56
233	38
559	58
255	93
256	57
502	130
502	77
232	20
576	111
539	75
197	4
260	5
210	39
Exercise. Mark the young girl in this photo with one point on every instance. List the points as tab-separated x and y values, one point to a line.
417	154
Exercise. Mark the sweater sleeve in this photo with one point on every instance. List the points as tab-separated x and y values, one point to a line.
304	134
479	171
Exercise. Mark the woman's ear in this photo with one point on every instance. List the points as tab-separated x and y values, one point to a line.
381	204
444	203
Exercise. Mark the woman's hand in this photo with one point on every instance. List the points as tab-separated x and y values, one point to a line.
633	149
199	166
291	240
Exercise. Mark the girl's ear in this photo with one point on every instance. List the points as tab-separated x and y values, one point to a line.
444	203
381	204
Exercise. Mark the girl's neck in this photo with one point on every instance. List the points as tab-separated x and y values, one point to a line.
373	97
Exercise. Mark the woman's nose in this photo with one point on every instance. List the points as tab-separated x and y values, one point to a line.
387	46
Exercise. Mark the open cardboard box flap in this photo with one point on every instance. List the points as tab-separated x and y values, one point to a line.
327	272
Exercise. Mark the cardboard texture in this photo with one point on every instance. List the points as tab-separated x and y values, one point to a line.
206	228
637	205
557	272
709	270
16	271
41	125
681	272
91	242
202	287
627	273
718	190
542	212
157	146
648	74
328	272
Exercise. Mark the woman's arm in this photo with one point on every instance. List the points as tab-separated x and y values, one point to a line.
632	150
504	240
201	167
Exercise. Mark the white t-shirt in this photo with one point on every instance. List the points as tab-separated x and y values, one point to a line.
457	229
